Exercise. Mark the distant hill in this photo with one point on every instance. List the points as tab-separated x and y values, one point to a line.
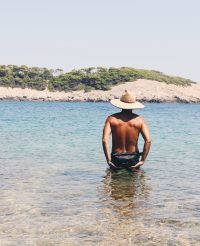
87	79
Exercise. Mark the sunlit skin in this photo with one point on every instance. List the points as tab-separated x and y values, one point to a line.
125	128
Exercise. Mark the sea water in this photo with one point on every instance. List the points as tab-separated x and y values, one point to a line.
56	188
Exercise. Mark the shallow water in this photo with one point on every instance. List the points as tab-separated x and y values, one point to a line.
56	188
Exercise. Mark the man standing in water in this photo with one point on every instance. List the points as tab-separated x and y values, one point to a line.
125	128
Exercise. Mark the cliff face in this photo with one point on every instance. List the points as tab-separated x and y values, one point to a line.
145	90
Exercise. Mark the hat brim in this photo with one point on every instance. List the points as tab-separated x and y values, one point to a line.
119	104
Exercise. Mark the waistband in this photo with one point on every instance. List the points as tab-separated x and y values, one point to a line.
126	153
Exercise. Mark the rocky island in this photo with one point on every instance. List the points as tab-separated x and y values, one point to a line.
94	84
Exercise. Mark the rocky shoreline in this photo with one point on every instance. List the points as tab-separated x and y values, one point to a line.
145	90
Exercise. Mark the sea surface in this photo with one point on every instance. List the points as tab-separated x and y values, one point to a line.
56	189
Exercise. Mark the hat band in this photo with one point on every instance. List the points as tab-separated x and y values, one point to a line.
127	101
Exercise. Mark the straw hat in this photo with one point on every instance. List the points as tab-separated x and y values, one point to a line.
127	101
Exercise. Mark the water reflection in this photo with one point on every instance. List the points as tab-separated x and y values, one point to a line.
126	192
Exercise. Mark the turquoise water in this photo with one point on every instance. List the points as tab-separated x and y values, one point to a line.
56	188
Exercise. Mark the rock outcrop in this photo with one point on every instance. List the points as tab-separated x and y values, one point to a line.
145	90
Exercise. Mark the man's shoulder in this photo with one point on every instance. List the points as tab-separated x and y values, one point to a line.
137	117
113	117
140	118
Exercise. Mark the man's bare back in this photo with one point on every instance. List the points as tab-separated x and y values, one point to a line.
125	128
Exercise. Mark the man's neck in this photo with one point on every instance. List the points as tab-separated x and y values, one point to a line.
127	111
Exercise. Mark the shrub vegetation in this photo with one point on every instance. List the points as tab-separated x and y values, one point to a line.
87	79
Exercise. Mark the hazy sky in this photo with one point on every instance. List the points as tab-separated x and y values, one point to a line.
154	34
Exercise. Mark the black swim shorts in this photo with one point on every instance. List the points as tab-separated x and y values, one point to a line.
125	160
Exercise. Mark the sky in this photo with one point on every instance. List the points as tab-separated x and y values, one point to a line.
71	34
